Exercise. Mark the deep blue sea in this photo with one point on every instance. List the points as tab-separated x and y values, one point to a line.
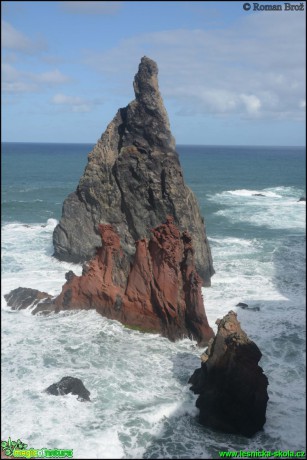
141	403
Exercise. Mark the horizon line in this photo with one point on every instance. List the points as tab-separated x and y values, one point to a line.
179	144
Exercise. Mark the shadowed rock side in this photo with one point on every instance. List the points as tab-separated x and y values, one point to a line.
231	386
133	180
162	293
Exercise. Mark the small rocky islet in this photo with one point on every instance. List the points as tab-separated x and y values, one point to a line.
138	230
232	387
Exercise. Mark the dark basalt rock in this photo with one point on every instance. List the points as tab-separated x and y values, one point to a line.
69	275
303	198
21	298
133	180
242	305
258	194
231	385
69	385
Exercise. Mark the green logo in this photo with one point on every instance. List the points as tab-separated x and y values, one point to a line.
18	449
9	446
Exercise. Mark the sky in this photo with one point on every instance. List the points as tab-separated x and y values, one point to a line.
227	75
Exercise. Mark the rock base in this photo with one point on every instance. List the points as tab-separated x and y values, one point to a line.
162	293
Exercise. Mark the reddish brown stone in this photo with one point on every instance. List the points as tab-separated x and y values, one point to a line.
162	293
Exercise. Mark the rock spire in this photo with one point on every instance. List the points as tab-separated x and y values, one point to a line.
231	385
132	181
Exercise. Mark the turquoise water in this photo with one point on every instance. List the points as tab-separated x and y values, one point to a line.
142	406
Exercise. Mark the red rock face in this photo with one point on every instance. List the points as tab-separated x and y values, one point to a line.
161	295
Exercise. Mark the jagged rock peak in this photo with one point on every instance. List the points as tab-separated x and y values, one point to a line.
147	110
145	84
133	180
146	79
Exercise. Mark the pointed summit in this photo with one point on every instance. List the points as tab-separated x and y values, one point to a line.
145	84
146	117
146	78
133	180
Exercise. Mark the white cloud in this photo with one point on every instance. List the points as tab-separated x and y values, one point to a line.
91	7
252	103
74	103
18	87
54	77
15	81
255	68
12	39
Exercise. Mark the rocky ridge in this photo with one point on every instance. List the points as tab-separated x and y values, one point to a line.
162	293
132	181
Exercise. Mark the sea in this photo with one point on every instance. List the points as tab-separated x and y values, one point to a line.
142	406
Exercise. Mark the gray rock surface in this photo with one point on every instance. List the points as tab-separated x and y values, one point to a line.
133	180
22	298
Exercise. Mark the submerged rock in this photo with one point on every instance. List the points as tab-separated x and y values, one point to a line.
162	293
231	385
69	385
242	305
133	180
246	307
21	298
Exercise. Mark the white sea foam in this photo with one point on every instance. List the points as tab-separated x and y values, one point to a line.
141	405
256	193
133	378
278	208
129	407
26	255
257	273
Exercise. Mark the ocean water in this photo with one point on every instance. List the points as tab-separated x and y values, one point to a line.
141	403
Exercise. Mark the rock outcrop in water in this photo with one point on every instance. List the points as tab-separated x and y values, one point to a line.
69	385
132	181
231	385
22	298
162	293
